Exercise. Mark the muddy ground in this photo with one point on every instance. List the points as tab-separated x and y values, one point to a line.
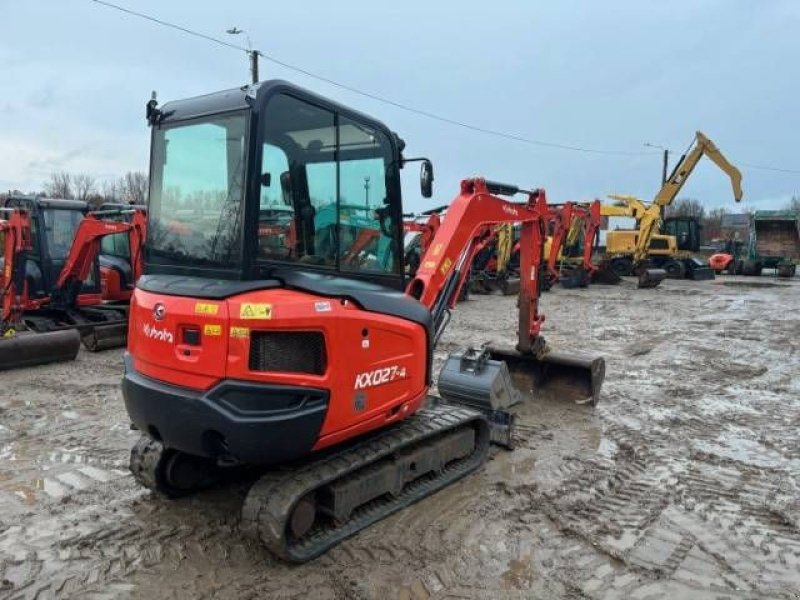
683	483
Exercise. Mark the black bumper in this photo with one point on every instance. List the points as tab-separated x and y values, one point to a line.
236	421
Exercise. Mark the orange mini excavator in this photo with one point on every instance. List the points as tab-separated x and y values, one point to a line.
50	293
300	359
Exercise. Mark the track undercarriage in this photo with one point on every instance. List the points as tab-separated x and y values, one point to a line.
300	511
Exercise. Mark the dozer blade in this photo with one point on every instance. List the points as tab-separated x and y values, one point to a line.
650	278
605	275
27	348
106	336
700	274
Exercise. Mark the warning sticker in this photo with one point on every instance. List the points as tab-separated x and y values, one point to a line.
202	308
429	264
215	330
240	332
255	311
322	306
445	266
437	249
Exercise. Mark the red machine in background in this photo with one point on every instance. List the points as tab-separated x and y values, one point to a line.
120	260
50	291
572	233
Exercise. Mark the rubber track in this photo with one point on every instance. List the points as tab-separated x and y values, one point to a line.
270	501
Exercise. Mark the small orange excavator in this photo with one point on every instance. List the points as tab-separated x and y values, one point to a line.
308	362
50	297
120	263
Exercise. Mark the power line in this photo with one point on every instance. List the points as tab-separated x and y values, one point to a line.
777	169
376	97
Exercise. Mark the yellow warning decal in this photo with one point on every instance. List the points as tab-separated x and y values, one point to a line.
212	330
240	332
429	264
437	249
255	311
202	308
445	266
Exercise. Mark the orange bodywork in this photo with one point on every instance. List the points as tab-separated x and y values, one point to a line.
357	342
720	261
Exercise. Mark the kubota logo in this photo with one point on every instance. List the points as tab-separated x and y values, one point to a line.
162	335
379	377
159	312
510	210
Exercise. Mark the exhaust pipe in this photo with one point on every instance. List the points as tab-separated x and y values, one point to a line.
26	349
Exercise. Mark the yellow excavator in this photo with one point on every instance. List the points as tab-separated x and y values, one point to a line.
652	255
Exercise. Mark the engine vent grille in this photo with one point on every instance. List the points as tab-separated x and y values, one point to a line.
659	244
288	351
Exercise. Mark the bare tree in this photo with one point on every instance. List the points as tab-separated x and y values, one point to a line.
712	224
59	185
686	207
84	186
134	187
794	203
110	190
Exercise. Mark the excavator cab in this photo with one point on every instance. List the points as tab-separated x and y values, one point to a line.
54	224
687	231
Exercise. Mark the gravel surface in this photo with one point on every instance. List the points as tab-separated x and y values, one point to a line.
684	482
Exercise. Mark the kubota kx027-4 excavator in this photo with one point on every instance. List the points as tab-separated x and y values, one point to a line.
50	292
236	356
634	251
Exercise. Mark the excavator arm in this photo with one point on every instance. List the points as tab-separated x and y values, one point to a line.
703	146
445	264
86	247
15	228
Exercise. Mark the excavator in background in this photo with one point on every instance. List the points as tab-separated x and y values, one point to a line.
419	231
50	292
307	363
119	268
653	256
496	263
571	239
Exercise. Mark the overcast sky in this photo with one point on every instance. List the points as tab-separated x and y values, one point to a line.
609	75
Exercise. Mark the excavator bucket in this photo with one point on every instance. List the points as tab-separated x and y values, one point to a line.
106	336
27	348
494	379
650	278
509	286
698	270
554	376
605	275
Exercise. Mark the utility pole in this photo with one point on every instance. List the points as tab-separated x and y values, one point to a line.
664	168
366	190
252	54
254	71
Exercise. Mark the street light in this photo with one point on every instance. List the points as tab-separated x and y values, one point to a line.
666	160
253	54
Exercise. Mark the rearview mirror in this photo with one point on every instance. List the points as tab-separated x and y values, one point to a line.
426	178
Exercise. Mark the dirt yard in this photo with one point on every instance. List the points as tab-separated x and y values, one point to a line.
683	483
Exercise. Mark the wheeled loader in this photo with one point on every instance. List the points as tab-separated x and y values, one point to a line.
312	368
